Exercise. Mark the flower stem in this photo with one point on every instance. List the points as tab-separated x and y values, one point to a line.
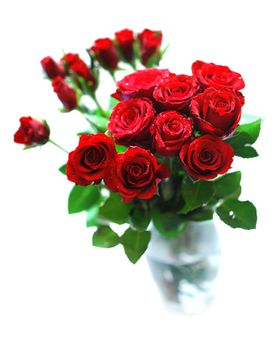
58	146
100	108
113	76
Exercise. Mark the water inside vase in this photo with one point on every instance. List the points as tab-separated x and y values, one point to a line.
185	269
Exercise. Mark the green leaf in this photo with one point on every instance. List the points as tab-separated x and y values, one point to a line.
201	215
114	209
99	121
105	237
112	103
154	59
139	218
236	213
82	198
244	137
92	130
246	152
135	243
196	194
170	225
227	184
248	118
62	169
92	216
120	148
163	51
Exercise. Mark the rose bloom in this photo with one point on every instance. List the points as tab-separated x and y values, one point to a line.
105	52
77	65
65	93
51	68
140	83
125	41
175	92
206	156
136	174
32	132
130	121
91	160
216	112
150	42
170	131
210	74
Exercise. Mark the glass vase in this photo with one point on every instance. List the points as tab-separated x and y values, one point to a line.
185	268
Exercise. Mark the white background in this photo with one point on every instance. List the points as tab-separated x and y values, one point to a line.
57	291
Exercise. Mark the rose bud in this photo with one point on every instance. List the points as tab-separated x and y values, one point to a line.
125	41
170	131
106	54
130	122
206	156
150	42
210	74
91	160
137	174
77	65
140	83
175	92
65	93
32	132
216	112
51	68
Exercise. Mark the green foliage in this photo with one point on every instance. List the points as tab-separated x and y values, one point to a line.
169	224
114	209
196	194
135	243
112	103
236	213
227	185
244	137
92	215
82	198
139	218
99	121
154	59
105	237
62	169
201	215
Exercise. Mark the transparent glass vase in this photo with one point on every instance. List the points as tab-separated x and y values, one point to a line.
185	269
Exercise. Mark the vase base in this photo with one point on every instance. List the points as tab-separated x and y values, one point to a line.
186	287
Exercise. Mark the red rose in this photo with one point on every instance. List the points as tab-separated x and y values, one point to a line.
51	68
137	174
206	156
150	42
175	92
77	65
216	111
170	131
130	121
210	74
139	84
65	93
32	132
91	160
106	53
125	41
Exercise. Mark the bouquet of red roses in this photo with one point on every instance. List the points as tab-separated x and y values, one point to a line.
161	153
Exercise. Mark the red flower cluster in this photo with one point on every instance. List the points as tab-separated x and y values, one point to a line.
134	173
185	108
108	52
168	115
